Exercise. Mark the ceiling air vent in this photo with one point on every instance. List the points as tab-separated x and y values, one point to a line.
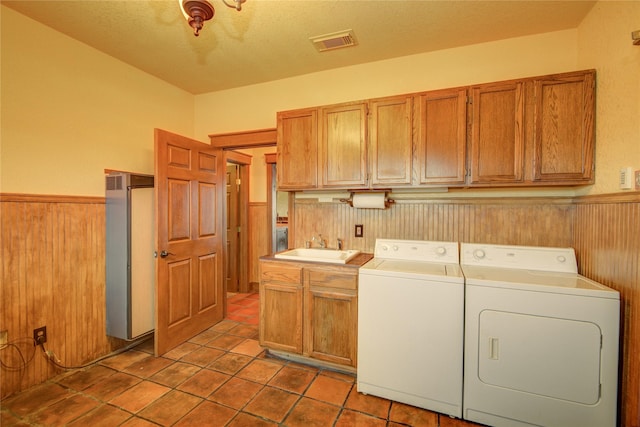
332	41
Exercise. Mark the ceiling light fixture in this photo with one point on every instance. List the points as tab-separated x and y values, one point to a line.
198	11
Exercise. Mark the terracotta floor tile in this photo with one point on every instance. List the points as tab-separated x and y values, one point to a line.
10	420
249	347
292	379
148	366
235	393
104	416
259	371
182	350
170	407
65	411
224	326
146	346
204	382
204	337
202	356
369	404
81	379
139	396
253	321
411	415
208	414
112	386
247	420
122	360
230	363
175	374
447	421
35	398
247	331
329	390
272	403
351	418
225	342
309	412
138	422
339	375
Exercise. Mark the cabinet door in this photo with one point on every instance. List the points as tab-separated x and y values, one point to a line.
342	146
297	149
390	141
564	127
442	136
281	298
331	312
497	133
332	331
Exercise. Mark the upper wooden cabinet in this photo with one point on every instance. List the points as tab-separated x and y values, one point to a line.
390	141
535	131
564	108
442	136
343	150
297	149
497	133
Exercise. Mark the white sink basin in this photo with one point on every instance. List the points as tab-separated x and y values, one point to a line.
318	255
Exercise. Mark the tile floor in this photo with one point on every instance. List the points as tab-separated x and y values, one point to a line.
221	377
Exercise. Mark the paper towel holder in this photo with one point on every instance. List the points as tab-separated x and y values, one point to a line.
387	201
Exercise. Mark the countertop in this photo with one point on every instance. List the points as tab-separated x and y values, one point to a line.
358	261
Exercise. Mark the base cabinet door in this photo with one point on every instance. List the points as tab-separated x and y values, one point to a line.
281	301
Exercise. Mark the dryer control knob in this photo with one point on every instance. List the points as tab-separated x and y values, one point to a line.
562	259
384	247
441	250
479	254
395	247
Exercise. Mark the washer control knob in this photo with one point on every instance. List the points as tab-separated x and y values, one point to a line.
479	254
562	259
441	250
395	247
384	247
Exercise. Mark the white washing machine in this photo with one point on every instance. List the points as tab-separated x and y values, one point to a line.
410	324
541	341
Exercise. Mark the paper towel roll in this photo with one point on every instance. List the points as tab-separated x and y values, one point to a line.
369	200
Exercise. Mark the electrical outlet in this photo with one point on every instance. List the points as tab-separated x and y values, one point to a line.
40	336
359	230
4	337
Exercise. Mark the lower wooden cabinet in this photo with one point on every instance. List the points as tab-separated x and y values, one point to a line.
281	295
331	316
310	311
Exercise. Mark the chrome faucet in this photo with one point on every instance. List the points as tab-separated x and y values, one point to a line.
320	240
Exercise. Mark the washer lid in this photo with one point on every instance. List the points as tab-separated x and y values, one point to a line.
536	281
435	271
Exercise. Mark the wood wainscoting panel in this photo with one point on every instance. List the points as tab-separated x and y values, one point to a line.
259	230
607	244
53	275
516	222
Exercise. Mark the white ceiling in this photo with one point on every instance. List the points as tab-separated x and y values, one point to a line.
269	39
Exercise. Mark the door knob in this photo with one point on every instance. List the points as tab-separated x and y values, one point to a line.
165	254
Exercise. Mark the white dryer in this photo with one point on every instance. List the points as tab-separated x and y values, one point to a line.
541	341
410	324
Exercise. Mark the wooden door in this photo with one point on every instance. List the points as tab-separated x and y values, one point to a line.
189	239
343	153
497	133
233	228
564	127
442	136
298	149
390	141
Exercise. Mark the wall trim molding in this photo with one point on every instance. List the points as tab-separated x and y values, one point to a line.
50	198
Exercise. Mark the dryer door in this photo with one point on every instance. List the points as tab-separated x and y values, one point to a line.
546	356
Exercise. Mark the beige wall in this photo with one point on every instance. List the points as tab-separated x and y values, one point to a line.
604	43
69	112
